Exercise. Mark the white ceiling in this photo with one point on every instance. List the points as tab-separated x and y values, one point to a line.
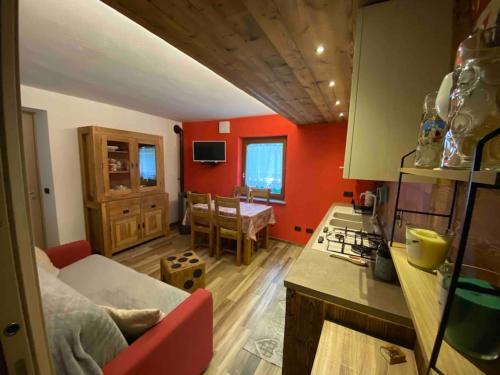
84	48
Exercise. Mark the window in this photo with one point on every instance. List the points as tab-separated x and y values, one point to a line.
264	164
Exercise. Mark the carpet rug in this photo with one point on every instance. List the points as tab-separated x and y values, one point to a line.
266	340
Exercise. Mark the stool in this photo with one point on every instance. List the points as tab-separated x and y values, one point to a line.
185	271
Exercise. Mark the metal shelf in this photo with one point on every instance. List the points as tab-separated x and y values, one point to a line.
475	179
480	177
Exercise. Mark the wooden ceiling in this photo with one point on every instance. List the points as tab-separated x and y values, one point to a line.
265	47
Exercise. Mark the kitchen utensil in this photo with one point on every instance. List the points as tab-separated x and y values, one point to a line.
426	248
384	266
352	259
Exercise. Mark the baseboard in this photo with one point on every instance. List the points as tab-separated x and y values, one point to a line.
286	241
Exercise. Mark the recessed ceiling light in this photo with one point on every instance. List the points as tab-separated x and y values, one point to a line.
337	102
320	49
331	84
341	114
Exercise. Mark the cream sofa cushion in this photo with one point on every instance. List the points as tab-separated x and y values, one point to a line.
43	261
134	322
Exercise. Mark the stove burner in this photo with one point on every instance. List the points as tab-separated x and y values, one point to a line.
361	243
362	250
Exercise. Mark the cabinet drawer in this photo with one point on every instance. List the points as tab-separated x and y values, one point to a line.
123	208
153	201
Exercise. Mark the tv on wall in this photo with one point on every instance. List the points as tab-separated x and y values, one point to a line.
209	151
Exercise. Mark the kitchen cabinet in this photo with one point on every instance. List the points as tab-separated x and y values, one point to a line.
123	187
402	51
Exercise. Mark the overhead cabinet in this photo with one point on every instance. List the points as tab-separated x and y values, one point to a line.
402	52
123	187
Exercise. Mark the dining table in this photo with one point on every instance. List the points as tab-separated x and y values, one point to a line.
254	218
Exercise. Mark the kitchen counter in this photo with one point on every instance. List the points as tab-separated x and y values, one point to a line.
337	281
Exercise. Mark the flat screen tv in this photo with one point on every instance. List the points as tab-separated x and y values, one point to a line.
209	151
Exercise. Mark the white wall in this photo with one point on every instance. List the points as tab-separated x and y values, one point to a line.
64	115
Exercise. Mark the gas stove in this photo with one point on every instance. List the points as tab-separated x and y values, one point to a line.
345	241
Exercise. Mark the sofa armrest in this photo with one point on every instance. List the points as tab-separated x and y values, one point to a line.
63	255
181	344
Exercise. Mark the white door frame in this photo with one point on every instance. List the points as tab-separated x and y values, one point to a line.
26	350
46	177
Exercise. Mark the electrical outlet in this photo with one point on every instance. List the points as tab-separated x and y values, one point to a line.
309	230
348	194
297	228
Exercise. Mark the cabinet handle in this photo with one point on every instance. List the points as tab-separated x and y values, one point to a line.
143	225
139	226
126	211
131	165
153	205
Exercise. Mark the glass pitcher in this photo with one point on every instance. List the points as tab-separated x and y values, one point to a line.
474	101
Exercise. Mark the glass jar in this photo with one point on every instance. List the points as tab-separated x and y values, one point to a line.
474	101
430	135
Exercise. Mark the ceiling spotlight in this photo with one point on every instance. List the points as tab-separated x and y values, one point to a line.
341	114
337	102
331	84
320	49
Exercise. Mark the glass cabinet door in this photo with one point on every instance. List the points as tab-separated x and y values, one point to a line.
147	164
117	166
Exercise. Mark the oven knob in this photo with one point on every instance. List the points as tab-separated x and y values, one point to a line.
320	239
325	230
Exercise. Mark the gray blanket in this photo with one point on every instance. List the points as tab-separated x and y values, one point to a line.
82	337
106	282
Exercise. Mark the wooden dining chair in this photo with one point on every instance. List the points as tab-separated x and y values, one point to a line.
262	238
260	193
228	225
201	220
241	192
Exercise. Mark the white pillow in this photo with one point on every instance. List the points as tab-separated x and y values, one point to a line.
134	322
43	261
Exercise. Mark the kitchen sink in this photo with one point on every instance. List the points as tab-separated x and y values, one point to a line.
350	224
348	217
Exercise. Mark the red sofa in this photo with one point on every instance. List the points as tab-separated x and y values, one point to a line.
182	343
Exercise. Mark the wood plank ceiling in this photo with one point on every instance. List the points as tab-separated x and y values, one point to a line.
265	47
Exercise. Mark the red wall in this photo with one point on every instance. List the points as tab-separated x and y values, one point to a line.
313	178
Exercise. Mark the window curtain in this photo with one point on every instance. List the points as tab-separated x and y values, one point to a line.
264	166
147	162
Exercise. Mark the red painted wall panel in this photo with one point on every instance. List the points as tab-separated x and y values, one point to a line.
313	178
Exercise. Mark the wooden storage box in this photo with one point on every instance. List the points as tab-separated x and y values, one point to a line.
185	271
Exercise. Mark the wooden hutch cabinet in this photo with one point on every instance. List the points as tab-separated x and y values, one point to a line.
123	187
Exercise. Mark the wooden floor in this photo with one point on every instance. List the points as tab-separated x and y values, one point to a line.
241	295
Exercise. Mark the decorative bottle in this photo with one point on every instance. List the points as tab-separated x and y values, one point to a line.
430	135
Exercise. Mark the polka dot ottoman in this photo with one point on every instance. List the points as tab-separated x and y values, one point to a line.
185	271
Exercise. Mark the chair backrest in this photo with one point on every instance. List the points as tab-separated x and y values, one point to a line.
228	220
197	215
260	193
239	191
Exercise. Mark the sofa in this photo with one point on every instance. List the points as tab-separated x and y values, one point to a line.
181	343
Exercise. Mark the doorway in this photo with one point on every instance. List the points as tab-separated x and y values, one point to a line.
33	179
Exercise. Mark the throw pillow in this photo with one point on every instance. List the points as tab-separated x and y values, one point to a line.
134	322
43	261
